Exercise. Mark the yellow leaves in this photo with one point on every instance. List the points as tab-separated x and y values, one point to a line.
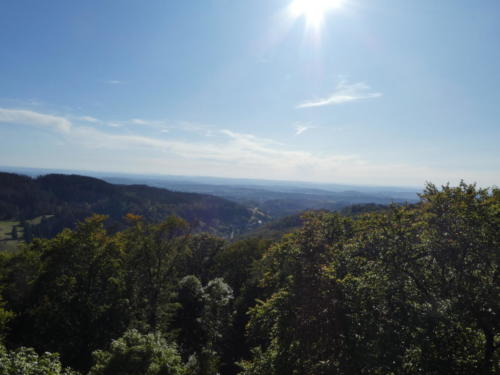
132	218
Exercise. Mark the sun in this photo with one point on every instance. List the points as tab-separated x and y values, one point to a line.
313	10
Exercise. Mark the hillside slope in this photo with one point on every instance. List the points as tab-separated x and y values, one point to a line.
72	197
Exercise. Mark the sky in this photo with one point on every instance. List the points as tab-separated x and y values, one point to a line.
372	92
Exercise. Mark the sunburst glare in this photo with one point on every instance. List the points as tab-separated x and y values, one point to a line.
313	11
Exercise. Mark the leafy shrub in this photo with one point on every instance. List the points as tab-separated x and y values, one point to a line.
25	361
138	354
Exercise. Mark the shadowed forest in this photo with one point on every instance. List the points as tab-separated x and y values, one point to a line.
406	289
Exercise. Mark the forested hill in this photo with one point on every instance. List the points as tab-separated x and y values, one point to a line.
69	198
408	289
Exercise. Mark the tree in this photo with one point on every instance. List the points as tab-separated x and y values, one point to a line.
202	253
26	361
463	240
204	317
27	232
138	354
217	310
190	297
154	254
6	317
303	320
76	302
14	232
239	265
412	290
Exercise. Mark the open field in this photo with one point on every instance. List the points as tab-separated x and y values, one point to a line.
6	229
7	242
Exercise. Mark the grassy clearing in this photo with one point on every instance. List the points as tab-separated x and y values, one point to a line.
7	243
6	229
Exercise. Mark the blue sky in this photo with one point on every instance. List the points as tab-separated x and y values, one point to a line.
382	92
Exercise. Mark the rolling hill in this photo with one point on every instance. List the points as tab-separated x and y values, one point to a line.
70	198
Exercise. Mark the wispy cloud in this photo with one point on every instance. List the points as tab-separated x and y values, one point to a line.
21	102
224	153
223	146
165	126
344	93
139	121
301	128
157	124
113	82
89	119
27	117
96	121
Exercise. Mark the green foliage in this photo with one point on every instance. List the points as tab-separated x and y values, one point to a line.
302	319
217	309
76	300
404	290
204	319
138	354
25	361
6	317
201	260
410	291
262	363
153	258
277	228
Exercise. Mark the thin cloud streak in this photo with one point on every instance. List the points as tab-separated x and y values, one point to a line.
27	117
229	154
164	126
301	128
113	82
89	119
226	146
344	93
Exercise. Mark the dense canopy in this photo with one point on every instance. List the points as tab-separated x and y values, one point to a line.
403	290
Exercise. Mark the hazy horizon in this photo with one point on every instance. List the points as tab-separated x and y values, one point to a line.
355	92
201	179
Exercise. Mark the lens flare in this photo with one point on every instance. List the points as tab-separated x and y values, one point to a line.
313	10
